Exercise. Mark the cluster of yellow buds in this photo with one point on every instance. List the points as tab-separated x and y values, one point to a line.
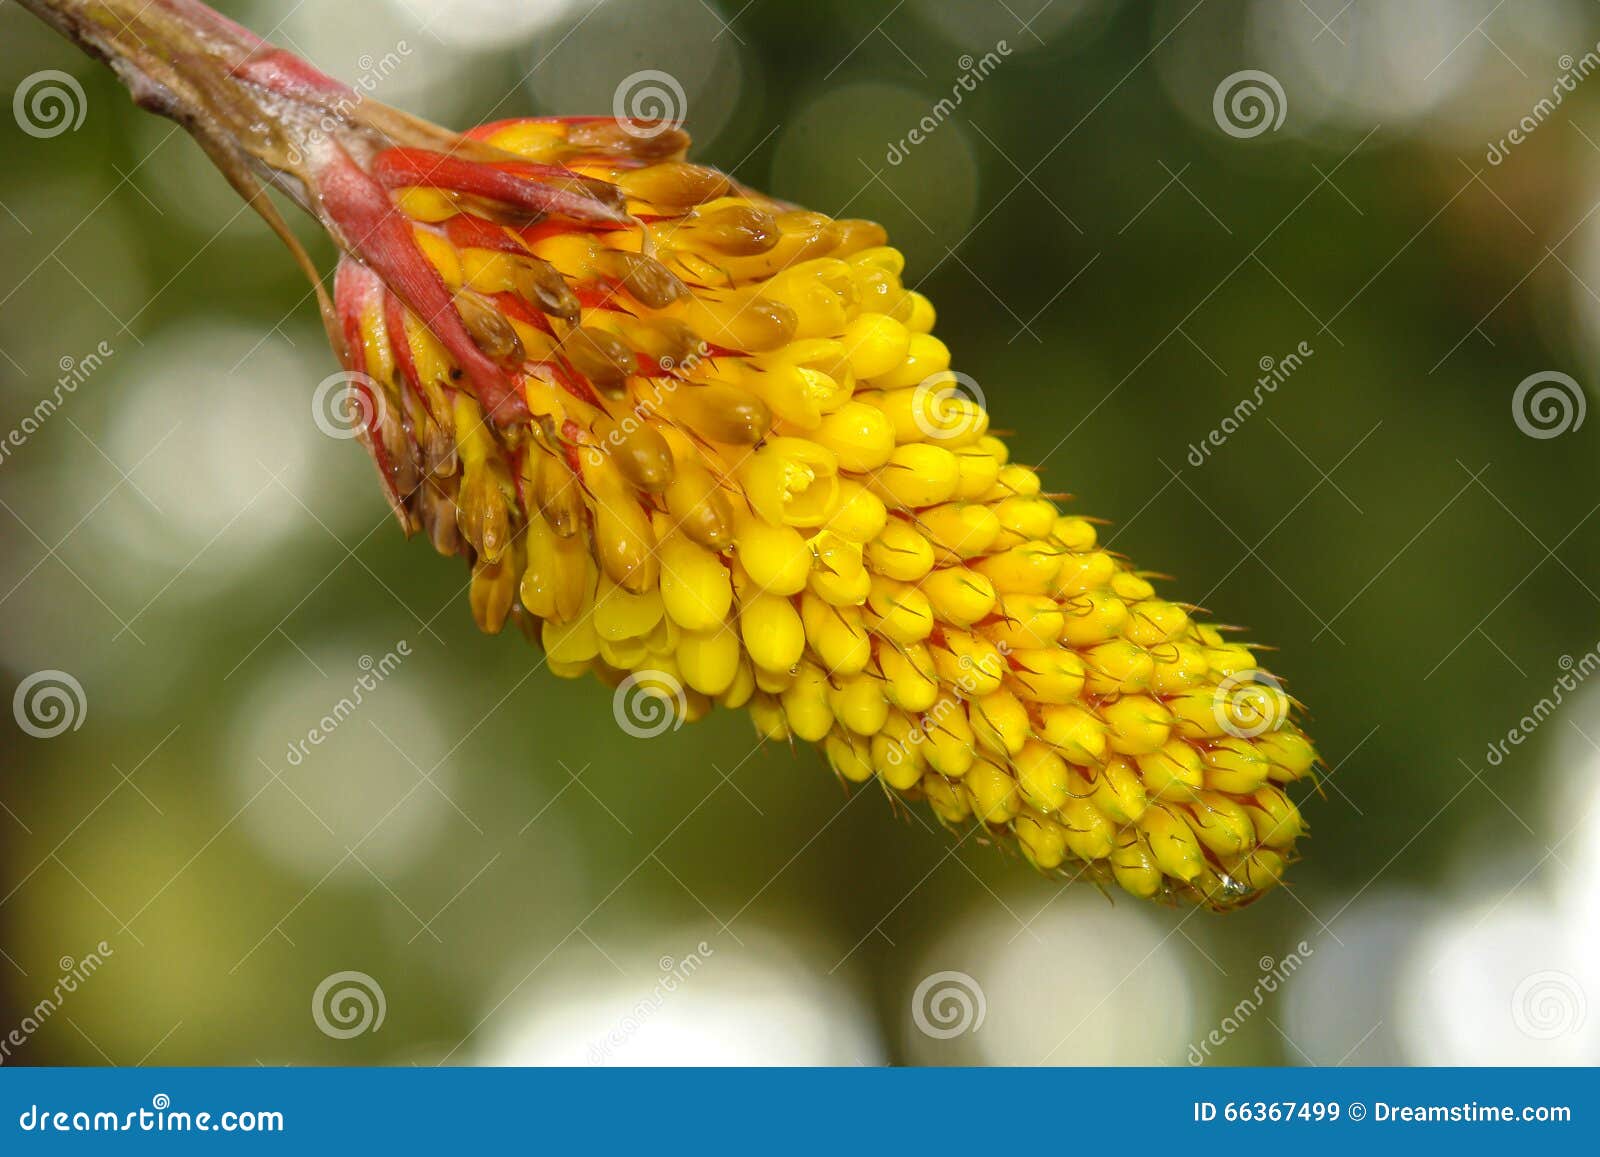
688	433
704	443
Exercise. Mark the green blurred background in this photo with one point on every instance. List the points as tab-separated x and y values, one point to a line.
526	883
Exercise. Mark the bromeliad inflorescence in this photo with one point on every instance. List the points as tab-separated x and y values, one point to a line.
696	440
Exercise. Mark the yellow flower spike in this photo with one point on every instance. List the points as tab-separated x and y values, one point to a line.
900	552
861	514
1138	725
959	596
993	794
1048	675
925	356
767	715
1134	867
1222	825
911	680
970	665
493	590
805	704
899	761
1290	753
849	756
822	295
1026	622
696	588
1116	668
574	642
1088	833
1172	842
1076	733
1180	668
916	476
1043	776
840	575
620	614
773	635
899	611
959	531
1086	573
1001	723
949	739
1027	569
875	344
775	557
1119	791
838	634
1042	840
1277	822
859	705
709	660
1176	772
859	436
677	425
793	481
946	799
1235	766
